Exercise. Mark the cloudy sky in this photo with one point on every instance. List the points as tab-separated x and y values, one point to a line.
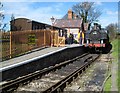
43	11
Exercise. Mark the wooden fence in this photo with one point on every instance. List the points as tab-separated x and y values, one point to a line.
16	43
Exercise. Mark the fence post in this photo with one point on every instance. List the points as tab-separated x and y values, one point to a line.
10	44
51	38
57	39
44	38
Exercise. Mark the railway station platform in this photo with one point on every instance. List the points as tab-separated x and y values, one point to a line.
38	60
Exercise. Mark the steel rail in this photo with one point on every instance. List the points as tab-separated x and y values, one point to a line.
15	83
61	84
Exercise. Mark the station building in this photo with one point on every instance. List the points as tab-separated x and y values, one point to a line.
71	22
23	24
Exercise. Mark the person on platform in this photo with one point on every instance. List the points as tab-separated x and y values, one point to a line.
81	37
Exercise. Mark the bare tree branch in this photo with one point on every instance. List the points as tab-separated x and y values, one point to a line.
87	11
1	16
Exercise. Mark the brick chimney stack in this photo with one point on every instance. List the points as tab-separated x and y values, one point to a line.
70	14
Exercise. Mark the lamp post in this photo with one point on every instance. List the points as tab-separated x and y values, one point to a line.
52	20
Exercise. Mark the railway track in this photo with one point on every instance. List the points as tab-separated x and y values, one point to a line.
15	84
59	86
94	77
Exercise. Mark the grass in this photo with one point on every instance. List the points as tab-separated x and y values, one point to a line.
115	53
118	66
116	57
108	85
115	49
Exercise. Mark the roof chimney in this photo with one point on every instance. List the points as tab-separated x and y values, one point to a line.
70	14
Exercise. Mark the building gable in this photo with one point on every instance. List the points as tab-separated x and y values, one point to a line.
68	23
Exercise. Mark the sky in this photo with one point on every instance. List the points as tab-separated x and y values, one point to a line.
42	11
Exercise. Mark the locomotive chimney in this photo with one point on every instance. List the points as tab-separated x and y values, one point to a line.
95	26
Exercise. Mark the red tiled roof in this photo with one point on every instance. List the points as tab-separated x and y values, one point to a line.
68	23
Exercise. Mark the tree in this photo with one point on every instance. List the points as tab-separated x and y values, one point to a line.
112	29
2	17
87	11
12	22
12	17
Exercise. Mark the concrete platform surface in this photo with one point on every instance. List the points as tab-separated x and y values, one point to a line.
29	63
32	56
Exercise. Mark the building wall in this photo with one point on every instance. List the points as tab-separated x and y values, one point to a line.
37	25
21	24
74	31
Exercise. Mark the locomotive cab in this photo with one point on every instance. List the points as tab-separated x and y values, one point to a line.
96	38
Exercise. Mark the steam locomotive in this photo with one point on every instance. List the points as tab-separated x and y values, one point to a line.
97	39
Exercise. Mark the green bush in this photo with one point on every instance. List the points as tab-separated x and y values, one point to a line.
75	41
